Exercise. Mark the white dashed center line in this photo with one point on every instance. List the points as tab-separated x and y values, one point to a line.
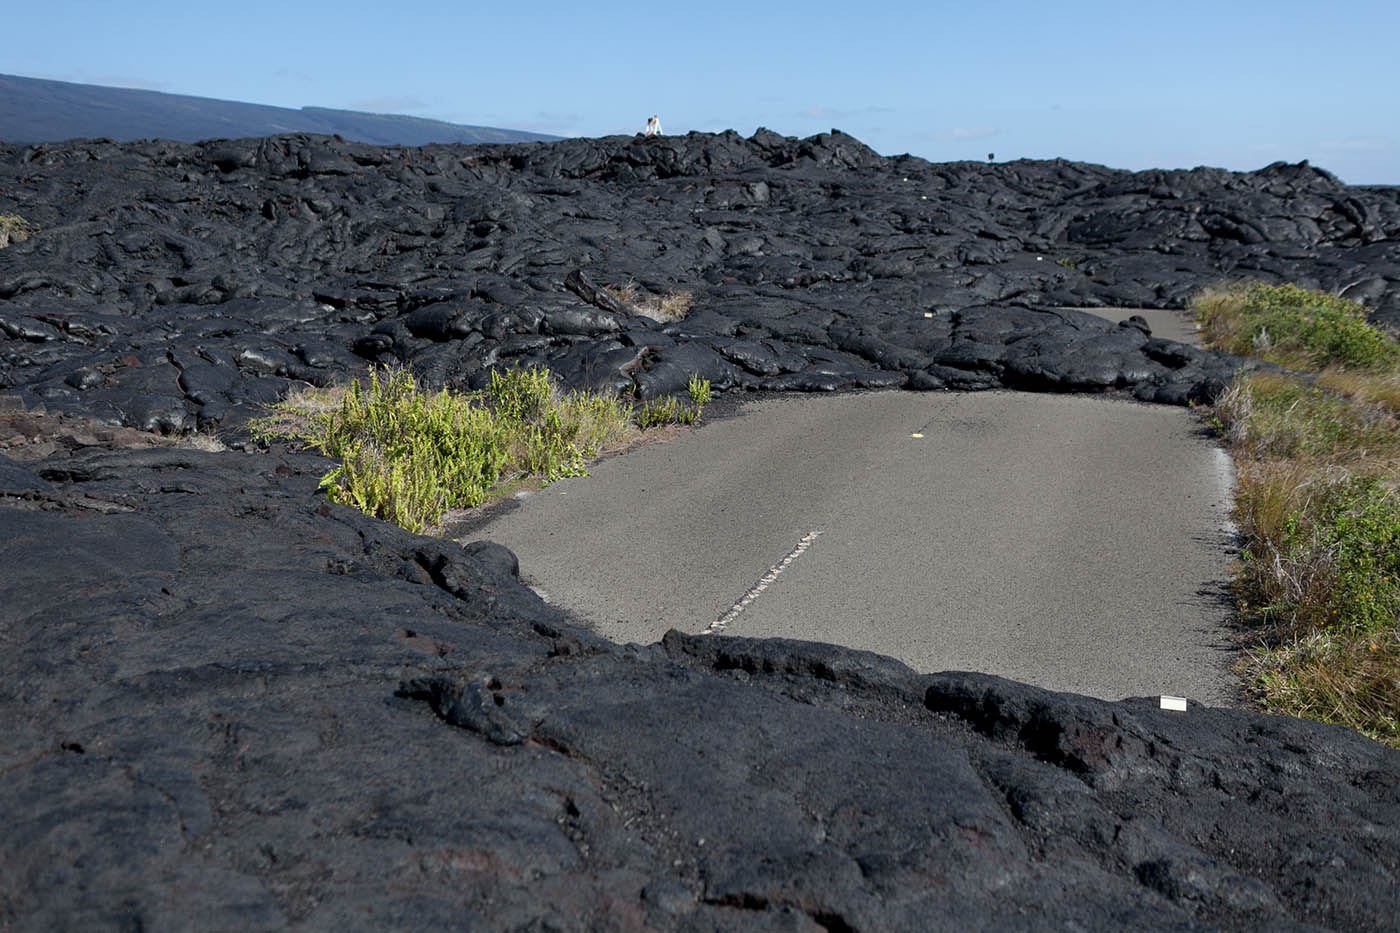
763	583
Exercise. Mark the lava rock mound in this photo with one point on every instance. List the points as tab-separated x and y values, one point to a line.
248	708
226	703
177	286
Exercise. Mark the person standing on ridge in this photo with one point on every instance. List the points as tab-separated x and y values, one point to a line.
653	126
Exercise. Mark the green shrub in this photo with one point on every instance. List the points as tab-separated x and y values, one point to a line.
659	411
670	410
1316	502
408	457
1359	525
1293	326
699	390
521	395
1333	562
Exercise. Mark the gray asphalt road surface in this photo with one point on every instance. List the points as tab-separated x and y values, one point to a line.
1078	543
1165	323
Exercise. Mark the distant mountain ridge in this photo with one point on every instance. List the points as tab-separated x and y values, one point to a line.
38	110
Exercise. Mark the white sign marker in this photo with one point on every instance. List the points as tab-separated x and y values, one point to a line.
1174	703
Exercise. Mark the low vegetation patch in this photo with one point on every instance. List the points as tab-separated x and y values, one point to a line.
1276	416
1294	327
206	441
1317	503
1380	389
15	229
409	456
669	410
667	308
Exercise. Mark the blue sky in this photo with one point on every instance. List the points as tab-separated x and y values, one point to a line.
1230	83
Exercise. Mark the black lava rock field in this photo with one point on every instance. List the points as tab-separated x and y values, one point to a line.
226	703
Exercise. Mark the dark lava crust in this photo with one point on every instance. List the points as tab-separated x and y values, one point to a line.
174	286
225	703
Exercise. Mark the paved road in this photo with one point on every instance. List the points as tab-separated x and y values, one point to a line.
1074	542
1170	325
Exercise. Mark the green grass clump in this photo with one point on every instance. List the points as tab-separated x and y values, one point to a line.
1348	681
409	457
15	229
1317	504
1277	416
1355	524
699	390
406	456
670	410
1379	389
1324	556
659	411
1294	327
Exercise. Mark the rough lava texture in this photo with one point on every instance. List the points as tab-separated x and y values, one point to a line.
226	703
175	286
